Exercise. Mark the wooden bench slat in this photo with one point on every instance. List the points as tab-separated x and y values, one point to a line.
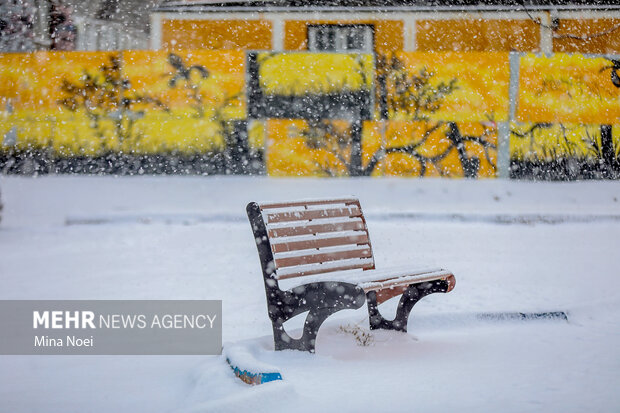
351	225
306	215
273	205
363	252
362	238
407	280
319	235
342	265
385	294
387	289
392	273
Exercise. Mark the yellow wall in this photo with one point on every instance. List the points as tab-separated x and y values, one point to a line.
477	35
185	111
435	146
606	43
288	154
388	33
461	35
550	142
184	117
567	88
32	80
150	70
296	74
290	150
216	34
482	81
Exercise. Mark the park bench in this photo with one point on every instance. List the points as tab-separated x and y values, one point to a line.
326	243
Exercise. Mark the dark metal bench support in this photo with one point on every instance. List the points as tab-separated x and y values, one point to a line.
409	298
320	300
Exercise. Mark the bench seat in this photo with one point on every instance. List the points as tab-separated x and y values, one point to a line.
379	279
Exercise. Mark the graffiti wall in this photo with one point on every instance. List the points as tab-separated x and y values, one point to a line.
443	110
93	104
571	89
567	116
389	148
407	114
448	86
310	85
440	115
36	113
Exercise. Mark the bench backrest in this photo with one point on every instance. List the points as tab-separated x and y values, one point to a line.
311	237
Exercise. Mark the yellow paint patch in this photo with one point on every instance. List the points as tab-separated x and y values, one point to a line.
566	88
481	79
294	74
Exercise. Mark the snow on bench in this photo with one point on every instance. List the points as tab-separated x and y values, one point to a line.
326	246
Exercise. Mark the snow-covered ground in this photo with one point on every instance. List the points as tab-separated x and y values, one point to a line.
514	246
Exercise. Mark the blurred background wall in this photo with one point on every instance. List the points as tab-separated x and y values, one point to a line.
336	88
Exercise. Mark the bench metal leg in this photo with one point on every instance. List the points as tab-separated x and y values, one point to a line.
320	300
307	342
409	298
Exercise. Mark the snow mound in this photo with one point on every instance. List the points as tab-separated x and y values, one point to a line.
242	359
